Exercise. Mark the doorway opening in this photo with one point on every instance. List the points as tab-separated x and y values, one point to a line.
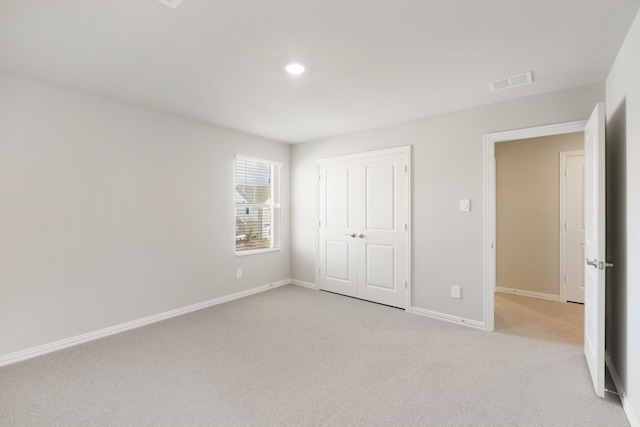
523	247
595	235
540	237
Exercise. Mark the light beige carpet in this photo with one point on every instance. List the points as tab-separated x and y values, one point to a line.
296	357
539	318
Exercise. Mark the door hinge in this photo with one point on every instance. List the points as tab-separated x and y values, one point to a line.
406	227
319	177
565	172
406	169
565	225
319	223
406	285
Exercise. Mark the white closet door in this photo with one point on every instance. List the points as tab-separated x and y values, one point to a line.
363	227
382	255
337	191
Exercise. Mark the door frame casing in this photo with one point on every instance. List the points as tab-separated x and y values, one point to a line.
490	200
564	155
404	150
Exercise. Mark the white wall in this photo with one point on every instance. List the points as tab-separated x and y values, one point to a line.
110	213
623	174
447	166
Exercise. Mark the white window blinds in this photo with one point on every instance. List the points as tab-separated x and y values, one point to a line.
257	204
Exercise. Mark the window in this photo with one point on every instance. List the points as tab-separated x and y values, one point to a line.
257	205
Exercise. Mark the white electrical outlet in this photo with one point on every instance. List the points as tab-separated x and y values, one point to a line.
455	291
238	273
465	205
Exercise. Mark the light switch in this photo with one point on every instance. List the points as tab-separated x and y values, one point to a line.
465	205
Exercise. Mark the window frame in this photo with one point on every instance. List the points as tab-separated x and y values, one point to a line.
275	230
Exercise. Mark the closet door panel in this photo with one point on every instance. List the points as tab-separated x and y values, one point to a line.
363	227
336	238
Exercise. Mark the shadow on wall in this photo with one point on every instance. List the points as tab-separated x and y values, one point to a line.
616	278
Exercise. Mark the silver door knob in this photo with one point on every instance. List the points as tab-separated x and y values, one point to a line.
361	235
353	235
593	263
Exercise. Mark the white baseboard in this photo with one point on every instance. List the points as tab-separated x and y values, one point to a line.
632	417
90	336
304	284
541	295
448	318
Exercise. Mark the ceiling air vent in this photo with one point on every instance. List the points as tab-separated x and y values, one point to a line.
171	3
513	81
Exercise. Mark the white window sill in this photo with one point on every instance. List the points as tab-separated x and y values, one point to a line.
257	251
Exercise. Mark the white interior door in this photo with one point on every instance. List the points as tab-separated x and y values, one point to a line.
574	192
337	194
363	233
383	250
595	263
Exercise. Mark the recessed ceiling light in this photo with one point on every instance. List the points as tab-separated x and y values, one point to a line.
295	68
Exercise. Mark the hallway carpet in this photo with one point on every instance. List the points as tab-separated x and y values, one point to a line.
539	318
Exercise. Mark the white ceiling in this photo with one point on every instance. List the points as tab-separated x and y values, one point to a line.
370	63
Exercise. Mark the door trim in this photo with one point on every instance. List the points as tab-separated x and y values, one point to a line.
406	151
564	155
490	200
